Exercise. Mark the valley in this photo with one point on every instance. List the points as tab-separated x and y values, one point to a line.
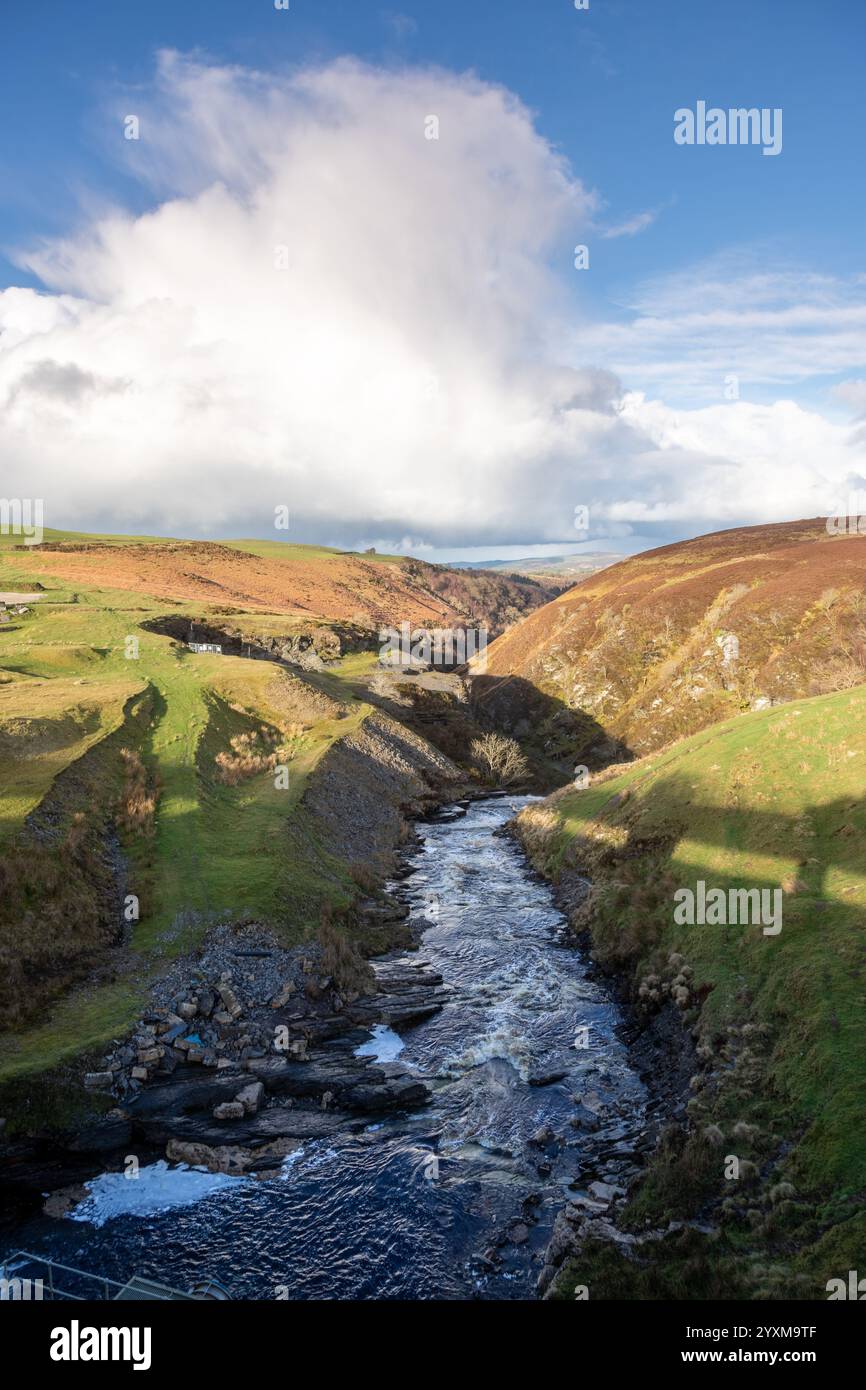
169	816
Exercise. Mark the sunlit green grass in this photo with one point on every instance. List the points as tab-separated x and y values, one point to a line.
283	550
67	668
770	799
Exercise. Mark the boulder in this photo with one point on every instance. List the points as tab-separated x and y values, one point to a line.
230	1000
224	1159
229	1110
280	1000
230	1158
206	1002
174	1031
605	1191
251	1097
542	1137
580	1205
60	1203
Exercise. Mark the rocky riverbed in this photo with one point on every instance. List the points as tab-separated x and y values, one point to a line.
444	1122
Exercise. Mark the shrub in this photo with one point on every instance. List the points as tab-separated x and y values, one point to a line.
499	758
251	753
342	961
139	794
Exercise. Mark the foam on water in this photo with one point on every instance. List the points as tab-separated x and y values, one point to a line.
158	1187
385	1044
501	1044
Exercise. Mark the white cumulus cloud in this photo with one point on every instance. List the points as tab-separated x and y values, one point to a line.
325	309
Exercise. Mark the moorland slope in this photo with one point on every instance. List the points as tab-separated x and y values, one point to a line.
678	638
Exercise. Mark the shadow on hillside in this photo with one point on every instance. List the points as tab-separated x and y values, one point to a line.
806	855
565	737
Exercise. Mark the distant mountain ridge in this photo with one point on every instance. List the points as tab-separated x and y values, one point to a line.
567	568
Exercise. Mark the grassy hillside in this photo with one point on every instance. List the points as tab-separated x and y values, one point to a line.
292	582
47	724
130	765
148	791
773	799
679	638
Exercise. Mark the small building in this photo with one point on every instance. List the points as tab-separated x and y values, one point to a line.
205	647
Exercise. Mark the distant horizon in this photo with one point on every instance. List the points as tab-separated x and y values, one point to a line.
623	548
539	552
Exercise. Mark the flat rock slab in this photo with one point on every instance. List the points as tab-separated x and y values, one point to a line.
282	1122
178	1097
102	1136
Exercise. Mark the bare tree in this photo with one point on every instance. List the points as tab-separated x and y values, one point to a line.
499	758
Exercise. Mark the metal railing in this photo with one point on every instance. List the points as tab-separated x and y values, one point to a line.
9	1272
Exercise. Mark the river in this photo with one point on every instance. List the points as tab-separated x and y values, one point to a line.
454	1201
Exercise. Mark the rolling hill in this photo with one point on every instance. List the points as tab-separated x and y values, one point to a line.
298	582
556	571
675	639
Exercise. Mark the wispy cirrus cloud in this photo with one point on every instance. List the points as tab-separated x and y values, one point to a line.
631	226
684	334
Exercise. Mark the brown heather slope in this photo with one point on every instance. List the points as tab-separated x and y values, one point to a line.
299	581
639	649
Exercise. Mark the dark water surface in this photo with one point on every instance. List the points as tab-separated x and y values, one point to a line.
405	1208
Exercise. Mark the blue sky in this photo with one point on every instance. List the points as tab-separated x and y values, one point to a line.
602	86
